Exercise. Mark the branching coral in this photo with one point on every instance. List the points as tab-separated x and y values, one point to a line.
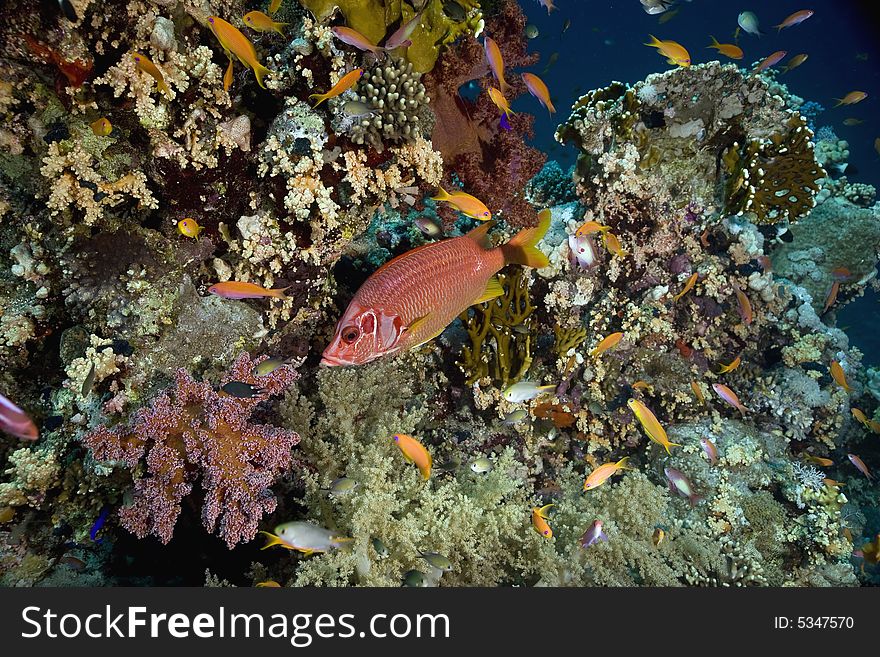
196	435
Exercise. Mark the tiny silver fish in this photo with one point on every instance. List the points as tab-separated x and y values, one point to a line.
437	561
342	486
268	366
357	109
414	578
381	550
481	465
515	417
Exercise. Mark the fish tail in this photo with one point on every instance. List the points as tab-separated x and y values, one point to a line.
543	511
278	292
714	43
442	195
668	445
655	42
163	87
522	248
839	101
273	540
623	463
342	542
321	98
550	107
259	72
505	87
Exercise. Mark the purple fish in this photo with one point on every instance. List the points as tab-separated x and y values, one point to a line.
680	484
99	523
401	37
16	422
769	61
593	535
504	123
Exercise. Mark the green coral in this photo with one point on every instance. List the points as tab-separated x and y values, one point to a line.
775	178
501	333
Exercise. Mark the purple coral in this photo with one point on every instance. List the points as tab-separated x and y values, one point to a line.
196	434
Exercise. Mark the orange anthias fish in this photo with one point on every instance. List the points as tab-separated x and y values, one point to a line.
101	127
851	98
496	63
832	296
710	450
414	452
729	396
539	90
356	39
794	62
675	53
243	290
839	375
688	285
771	60
727	49
257	20
549	5
653	429
236	43
469	206
732	366
698	392
612	243
606	343
744	307
860	465
859	416
412	298
345	83
539	521
500	102
16	422
274	5
601	474
590	227
148	67
819	460
794	19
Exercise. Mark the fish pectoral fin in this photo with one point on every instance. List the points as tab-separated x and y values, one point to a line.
416	323
493	290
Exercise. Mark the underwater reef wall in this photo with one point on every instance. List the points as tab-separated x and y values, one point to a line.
682	336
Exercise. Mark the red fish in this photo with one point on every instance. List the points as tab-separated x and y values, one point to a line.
771	60
795	18
16	422
411	299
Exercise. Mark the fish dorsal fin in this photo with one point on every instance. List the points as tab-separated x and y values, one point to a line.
492	291
480	234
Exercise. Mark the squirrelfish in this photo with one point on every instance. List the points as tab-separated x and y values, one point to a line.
401	36
794	62
771	60
305	537
727	49
860	465
148	67
525	391
729	396
414	452
688	286
469	206
189	227
612	243
851	98
236	43
101	127
496	62
257	20
345	83
601	474
590	227
674	52
16	422
839	375
539	90
653	429
356	39
710	450
730	366
243	290
411	299
748	22
681	484
539	521
593	535
606	343
795	18
500	102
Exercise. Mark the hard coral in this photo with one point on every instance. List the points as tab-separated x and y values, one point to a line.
195	434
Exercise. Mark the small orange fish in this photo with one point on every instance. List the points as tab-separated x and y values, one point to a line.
469	206
641	385
726	49
268	584
651	425
601	474
345	83
860	465
356	39
832	483
818	460
243	290
16	422
236	43
539	521
873	425
674	52
684	349
710	450
688	286
257	20
729	396
500	102
851	98
744	306
274	5
148	67
859	416
832	296
794	19
189	227
496	63
658	536
606	343
841	274
101	127
770	60
590	227
611	243
731	366
539	90
414	452
698	392
794	62
227	76
839	375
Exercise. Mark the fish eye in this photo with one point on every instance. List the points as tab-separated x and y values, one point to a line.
350	334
